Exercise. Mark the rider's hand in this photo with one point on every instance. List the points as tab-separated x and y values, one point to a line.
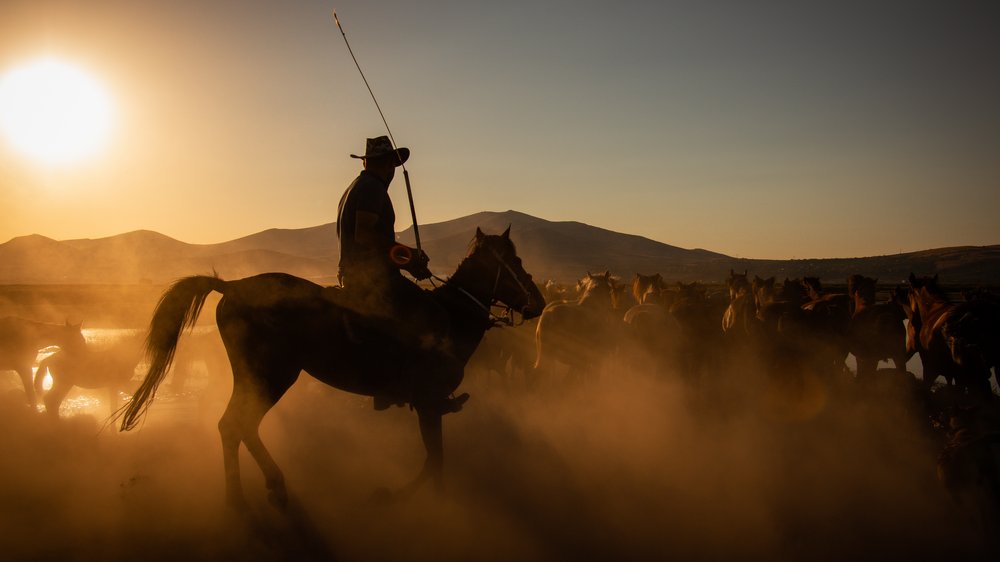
418	265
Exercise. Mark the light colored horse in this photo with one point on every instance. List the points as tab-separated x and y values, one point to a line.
578	334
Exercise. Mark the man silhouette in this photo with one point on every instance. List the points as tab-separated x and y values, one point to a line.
371	261
370	257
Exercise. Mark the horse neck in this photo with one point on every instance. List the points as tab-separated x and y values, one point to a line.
479	285
931	306
47	334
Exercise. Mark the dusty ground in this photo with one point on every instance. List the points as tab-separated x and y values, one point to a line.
631	466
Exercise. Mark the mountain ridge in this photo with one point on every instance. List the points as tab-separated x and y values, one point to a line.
558	250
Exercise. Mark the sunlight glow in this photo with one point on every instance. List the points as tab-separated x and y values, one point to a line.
54	112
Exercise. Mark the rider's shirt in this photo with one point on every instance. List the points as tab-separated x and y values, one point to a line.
367	193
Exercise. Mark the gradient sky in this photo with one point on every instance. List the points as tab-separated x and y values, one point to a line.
755	129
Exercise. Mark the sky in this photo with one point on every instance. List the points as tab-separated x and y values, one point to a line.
755	129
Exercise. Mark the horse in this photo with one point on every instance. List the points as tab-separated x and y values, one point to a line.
740	325
938	317
20	341
275	325
973	333
650	330
698	318
786	334
578	334
111	368
876	331
649	289
829	316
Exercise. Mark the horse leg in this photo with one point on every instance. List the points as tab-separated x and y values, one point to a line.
29	388
240	423
231	437
431	434
54	397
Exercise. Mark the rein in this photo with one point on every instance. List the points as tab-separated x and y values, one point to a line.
508	318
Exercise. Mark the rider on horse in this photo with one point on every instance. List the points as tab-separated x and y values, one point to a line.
370	257
371	260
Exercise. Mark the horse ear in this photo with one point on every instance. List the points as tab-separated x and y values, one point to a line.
506	233
607	274
912	278
479	233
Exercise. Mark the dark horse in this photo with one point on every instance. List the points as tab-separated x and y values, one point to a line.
939	316
876	331
275	325
21	339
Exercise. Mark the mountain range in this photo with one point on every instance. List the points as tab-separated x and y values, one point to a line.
559	250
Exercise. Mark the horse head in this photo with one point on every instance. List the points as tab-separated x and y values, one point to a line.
597	289
492	261
925	293
862	290
792	290
647	288
763	290
812	287
737	283
70	337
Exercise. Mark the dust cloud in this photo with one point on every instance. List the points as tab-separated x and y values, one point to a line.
628	466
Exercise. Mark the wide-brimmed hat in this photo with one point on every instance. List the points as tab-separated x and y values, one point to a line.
382	146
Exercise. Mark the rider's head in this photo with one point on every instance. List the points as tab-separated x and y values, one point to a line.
381	158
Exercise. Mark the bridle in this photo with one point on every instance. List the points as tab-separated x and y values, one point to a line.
507	318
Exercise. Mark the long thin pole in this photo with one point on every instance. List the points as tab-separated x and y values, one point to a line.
406	174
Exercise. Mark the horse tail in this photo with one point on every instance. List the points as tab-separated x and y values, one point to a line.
177	309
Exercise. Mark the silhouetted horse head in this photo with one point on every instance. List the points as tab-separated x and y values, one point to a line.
862	289
597	289
737	284
647	288
494	260
763	291
792	290
813	287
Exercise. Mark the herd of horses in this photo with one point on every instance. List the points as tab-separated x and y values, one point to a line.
275	326
793	327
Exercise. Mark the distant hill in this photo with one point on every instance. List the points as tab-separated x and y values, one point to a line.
562	251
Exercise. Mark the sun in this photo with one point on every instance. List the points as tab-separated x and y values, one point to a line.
54	112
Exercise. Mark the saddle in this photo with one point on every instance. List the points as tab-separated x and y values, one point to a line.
364	323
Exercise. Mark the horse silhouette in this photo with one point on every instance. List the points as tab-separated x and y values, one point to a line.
697	315
740	325
650	332
973	333
939	316
829	317
276	325
111	368
876	331
20	341
649	289
579	333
